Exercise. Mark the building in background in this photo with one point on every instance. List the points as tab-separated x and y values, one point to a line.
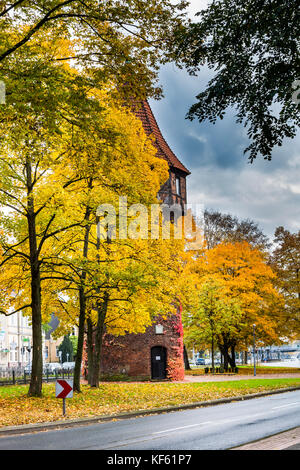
51	344
15	340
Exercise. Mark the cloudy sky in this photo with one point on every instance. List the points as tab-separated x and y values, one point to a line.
222	179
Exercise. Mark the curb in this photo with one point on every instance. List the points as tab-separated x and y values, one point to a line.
48	426
259	444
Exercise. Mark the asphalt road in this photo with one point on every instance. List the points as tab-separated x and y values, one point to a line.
211	428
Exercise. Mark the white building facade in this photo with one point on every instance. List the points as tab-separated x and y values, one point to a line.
15	340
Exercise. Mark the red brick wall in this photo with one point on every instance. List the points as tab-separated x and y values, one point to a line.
131	354
168	193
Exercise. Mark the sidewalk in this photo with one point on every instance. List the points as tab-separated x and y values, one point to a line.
288	440
222	378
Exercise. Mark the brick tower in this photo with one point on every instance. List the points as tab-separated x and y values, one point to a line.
158	353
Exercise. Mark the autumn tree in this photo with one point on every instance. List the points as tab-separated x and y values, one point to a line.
118	289
104	176
65	140
32	148
123	41
216	314
220	227
128	282
285	260
118	42
247	282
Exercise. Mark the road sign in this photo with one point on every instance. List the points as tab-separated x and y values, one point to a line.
64	388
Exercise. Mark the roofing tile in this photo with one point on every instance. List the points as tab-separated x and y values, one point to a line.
144	112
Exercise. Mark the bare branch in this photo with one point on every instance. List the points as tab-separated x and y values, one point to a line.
2	312
13	5
33	30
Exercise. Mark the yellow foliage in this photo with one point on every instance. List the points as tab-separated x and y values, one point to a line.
247	280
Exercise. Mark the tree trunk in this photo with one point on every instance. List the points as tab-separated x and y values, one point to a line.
82	303
212	354
90	349
224	351
226	360
212	330
186	359
35	388
102	310
77	368
232	358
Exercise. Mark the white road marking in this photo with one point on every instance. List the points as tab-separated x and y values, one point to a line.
182	427
285	406
216	422
154	436
227	420
241	418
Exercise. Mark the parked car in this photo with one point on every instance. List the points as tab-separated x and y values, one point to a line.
27	369
293	358
200	361
52	366
68	365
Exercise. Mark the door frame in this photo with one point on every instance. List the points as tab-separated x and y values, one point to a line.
159	365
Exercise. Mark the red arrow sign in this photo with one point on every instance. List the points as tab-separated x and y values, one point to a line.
64	388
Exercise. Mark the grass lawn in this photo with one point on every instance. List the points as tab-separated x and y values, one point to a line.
112	398
248	370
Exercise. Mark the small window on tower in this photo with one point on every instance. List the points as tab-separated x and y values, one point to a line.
178	186
159	329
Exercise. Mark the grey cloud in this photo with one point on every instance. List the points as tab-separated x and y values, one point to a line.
222	178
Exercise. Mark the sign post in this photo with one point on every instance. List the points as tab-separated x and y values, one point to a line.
64	389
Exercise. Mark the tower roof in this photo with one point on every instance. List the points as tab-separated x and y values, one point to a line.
144	112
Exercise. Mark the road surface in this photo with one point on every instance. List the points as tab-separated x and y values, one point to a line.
211	428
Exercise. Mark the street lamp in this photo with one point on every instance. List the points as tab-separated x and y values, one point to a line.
254	362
